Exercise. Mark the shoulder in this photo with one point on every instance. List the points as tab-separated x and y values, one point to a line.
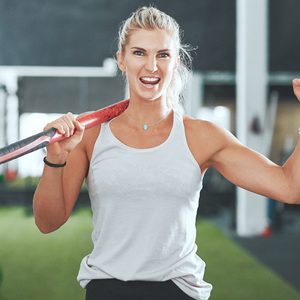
198	128
89	139
206	139
90	136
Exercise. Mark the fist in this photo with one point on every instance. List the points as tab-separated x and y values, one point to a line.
68	126
296	88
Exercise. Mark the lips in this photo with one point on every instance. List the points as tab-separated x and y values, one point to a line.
150	80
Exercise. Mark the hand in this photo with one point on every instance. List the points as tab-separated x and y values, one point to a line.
296	87
68	126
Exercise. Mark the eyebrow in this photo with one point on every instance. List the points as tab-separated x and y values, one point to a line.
159	51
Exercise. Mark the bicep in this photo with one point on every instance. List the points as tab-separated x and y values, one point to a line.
250	170
73	176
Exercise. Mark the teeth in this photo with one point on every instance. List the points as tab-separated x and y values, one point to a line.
150	79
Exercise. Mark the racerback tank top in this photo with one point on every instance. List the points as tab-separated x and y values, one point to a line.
144	204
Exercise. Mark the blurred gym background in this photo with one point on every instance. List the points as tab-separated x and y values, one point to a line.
58	56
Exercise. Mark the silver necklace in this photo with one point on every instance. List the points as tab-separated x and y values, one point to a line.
146	126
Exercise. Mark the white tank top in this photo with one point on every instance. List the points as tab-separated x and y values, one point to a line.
144	204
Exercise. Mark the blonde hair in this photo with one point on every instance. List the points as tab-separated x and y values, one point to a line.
151	18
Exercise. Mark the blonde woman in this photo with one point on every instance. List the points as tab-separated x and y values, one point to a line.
144	172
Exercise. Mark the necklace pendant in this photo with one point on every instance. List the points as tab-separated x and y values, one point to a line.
145	126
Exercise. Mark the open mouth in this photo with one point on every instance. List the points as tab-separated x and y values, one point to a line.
150	80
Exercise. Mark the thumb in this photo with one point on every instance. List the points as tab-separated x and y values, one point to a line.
79	128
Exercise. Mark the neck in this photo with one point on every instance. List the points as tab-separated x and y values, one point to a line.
148	110
146	114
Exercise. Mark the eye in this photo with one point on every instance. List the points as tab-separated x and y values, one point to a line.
138	52
164	55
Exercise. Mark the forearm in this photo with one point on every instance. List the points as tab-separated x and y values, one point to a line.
291	170
50	205
49	202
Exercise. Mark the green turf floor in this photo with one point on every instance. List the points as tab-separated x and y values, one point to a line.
44	267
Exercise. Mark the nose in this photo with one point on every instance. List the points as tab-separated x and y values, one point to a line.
151	64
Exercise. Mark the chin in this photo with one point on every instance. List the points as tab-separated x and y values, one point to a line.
150	95
151	98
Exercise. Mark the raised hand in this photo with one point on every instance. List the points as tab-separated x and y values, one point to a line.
296	88
68	126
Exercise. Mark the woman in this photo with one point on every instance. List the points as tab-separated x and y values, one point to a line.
144	172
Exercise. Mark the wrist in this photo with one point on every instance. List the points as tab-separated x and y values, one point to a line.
53	165
56	158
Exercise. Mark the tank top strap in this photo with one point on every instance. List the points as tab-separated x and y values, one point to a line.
104	133
179	129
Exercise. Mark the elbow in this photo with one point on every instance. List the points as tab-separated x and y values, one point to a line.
44	228
293	198
47	223
47	228
289	193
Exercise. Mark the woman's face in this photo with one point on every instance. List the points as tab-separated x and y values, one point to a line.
149	61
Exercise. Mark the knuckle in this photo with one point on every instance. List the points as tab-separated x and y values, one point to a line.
70	115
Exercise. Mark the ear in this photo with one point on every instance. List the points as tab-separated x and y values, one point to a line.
120	61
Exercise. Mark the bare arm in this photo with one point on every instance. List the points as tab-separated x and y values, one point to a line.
58	188
254	172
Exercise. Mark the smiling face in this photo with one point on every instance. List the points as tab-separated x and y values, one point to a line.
149	60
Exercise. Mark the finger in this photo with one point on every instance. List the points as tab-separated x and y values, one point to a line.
296	80
65	125
57	125
79	129
69	120
296	87
60	126
296	83
47	127
79	126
